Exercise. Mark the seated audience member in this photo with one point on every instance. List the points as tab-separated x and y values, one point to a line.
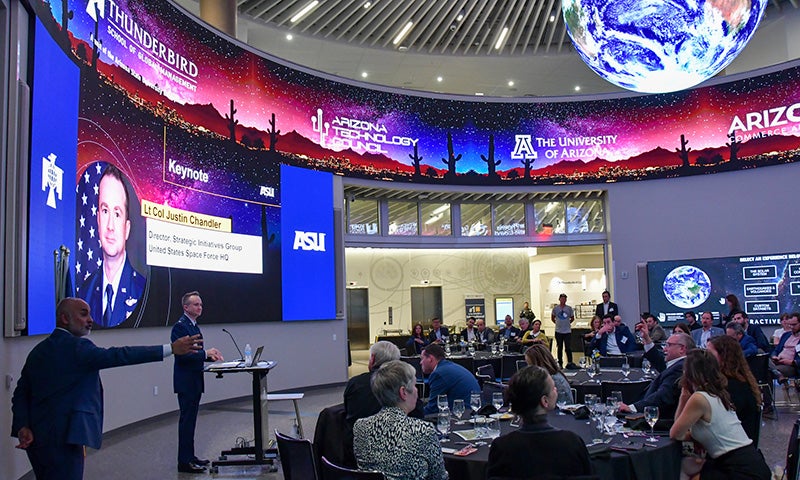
402	448
509	332
594	326
359	402
613	340
762	342
485	335
691	320
469	334
778	333
681	327
742	385
417	341
705	414
657	333
438	333
701	336
446	378
786	354
536	448
524	326
535	335
664	391
539	355
736	331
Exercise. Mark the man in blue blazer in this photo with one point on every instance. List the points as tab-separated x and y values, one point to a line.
446	378
613	340
748	343
701	336
57	406
187	381
665	391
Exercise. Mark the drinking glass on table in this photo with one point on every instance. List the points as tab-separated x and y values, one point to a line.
441	402
583	362
626	369
611	415
591	372
617	396
475	401
646	367
651	417
560	404
590	400
458	408
443	424
492	427
497	400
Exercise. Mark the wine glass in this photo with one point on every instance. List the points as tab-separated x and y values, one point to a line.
646	367
617	396
441	402
590	400
651	417
626	370
582	362
591	372
560	404
475	401
497	400
458	408
611	414
443	424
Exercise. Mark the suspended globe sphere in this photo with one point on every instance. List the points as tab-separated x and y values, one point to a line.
654	46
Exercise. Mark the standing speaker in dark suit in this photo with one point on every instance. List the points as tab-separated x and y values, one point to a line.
607	307
188	382
57	406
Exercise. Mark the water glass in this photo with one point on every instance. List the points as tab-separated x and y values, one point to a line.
443	424
458	408
626	369
617	396
583	362
646	367
441	402
471	349
492	427
475	401
590	400
497	400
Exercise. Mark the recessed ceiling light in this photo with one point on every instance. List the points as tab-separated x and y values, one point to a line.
403	32
439	78
511	83
552	18
363	74
460	17
402	48
478	94
367	4
304	11
289	36
577	88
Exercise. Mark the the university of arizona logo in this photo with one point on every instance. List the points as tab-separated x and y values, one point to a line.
52	176
95	7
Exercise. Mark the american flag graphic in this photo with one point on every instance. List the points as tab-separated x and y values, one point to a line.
89	256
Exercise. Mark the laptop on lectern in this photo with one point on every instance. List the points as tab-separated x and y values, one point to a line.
256	357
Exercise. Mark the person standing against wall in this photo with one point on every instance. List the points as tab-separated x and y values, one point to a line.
563	316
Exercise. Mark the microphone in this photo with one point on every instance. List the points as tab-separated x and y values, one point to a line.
241	357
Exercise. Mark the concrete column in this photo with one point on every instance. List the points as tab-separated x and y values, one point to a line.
220	14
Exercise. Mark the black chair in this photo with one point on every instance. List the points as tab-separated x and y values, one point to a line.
521	364
297	458
631	391
331	471
492	387
759	367
486	371
611	362
415	362
329	434
792	453
508	366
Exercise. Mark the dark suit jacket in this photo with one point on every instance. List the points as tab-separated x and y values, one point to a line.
453	380
515	333
131	286
698	334
59	395
538	448
188	369
749	347
487	336
613	309
432	334
665	391
625	341
761	340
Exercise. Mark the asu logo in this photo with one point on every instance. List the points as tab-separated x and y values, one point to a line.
309	241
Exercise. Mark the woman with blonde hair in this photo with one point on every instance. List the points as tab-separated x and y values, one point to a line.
540	356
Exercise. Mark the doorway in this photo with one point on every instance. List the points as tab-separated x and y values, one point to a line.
358	317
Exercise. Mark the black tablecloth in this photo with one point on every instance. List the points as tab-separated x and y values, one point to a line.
650	463
580	381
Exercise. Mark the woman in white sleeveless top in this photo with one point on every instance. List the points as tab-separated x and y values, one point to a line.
705	414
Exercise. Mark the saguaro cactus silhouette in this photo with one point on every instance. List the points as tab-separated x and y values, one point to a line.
66	16
734	146
416	161
490	160
232	123
527	163
273	134
452	158
683	152
96	42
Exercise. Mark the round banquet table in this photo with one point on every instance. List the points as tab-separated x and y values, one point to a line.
659	462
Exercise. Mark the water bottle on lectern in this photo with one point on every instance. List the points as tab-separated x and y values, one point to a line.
248	354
